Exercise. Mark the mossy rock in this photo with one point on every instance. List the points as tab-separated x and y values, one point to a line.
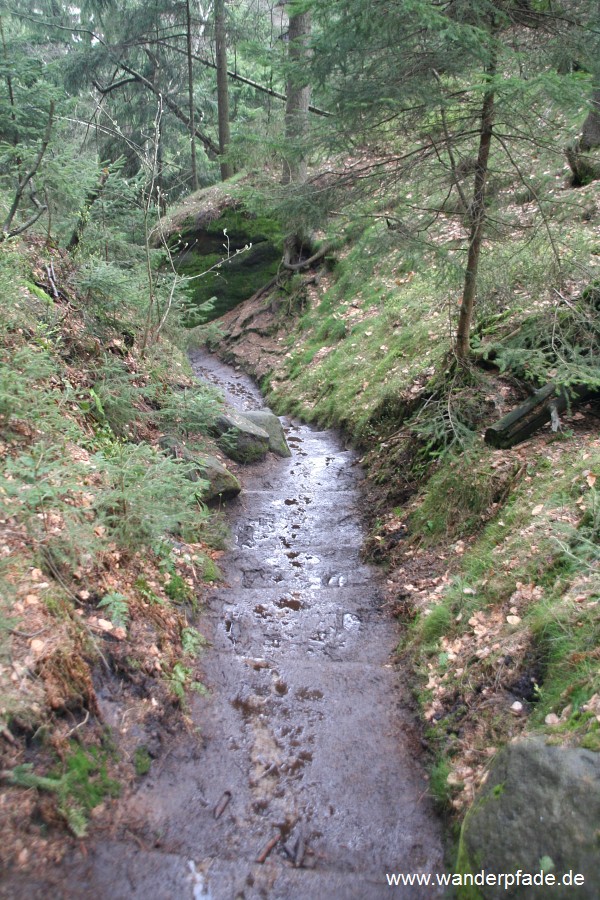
270	423
223	485
228	251
538	812
240	439
217	482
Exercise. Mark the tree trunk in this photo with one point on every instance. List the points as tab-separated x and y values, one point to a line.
586	168
590	134
84	212
222	86
465	318
11	96
192	126
298	100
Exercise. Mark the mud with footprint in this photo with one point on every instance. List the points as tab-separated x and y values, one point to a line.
305	783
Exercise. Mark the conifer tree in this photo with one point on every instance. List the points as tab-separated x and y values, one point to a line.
222	86
420	85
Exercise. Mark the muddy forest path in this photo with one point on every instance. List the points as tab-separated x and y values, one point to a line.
307	751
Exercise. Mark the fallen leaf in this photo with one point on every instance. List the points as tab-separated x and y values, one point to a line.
513	620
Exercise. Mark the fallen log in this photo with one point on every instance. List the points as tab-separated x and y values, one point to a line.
545	405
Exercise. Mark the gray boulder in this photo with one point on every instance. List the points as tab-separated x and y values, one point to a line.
270	423
223	485
218	482
539	811
239	438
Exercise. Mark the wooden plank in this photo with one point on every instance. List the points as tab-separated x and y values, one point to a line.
544	406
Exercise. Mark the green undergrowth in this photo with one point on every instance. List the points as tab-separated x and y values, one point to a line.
361	356
361	346
80	782
105	538
529	573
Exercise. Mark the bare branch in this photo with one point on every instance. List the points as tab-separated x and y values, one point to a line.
171	105
243	80
24	181
307	263
527	184
114	86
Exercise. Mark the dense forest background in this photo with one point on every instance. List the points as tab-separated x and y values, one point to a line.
404	193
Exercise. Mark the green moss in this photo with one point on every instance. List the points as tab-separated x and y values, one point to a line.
210	570
436	624
456	498
466	866
142	761
79	783
178	590
439	788
591	741
241	451
227	261
39	293
86	779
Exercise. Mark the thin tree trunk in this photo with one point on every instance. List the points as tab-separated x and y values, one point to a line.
590	134
465	319
161	198
160	195
11	95
298	100
192	127
24	181
84	212
222	86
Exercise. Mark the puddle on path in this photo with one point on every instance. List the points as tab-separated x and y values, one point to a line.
306	785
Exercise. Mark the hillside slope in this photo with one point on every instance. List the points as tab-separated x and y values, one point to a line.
491	555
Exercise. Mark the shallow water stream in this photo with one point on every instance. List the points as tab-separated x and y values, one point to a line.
306	784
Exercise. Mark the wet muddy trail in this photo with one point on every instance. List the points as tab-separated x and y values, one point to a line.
305	784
